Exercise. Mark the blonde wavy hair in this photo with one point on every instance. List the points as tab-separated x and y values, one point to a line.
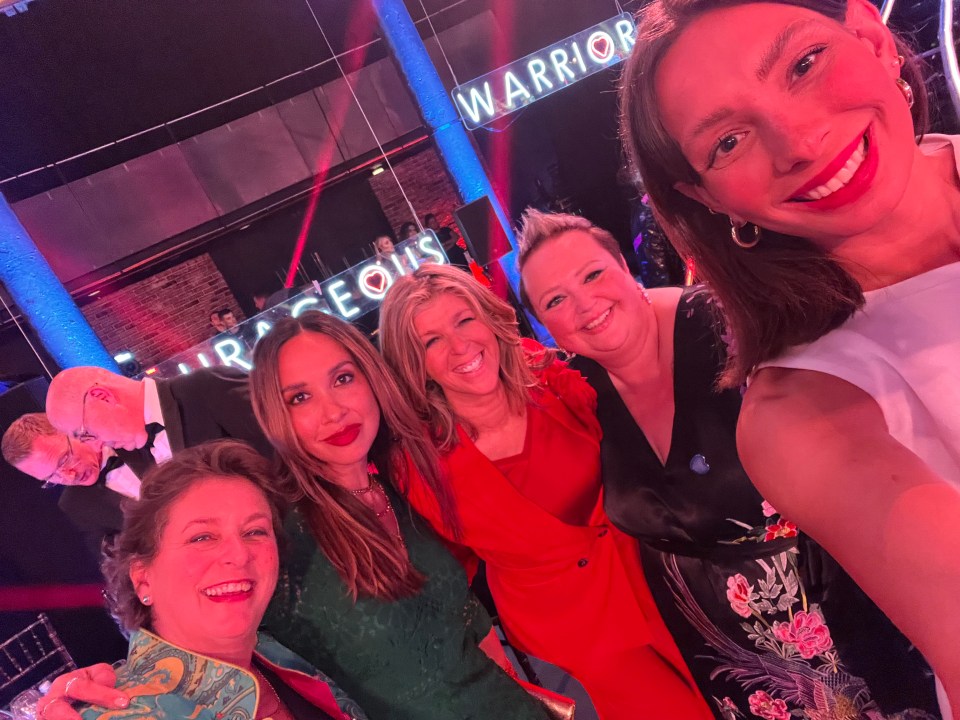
348	532
406	355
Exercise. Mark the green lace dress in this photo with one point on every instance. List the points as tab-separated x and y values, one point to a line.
414	659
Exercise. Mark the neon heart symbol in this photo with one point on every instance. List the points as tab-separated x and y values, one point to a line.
601	48
375	281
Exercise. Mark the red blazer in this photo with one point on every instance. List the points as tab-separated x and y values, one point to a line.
573	595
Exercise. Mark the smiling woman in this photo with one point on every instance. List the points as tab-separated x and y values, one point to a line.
519	444
189	578
762	615
778	144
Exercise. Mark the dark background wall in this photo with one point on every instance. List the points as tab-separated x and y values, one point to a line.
347	219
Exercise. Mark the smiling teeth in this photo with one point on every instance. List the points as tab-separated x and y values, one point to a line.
229	588
470	366
594	323
842	177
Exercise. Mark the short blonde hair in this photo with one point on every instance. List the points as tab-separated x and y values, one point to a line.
18	439
537	228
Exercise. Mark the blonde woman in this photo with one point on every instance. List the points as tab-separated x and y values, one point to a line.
519	442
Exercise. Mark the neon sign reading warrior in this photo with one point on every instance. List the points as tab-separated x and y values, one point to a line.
539	74
349	295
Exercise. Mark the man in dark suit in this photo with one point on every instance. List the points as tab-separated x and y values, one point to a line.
146	422
34	447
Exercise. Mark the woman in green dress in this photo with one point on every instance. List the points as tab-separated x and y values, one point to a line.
368	591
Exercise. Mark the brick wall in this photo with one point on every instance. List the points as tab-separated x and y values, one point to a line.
162	315
427	184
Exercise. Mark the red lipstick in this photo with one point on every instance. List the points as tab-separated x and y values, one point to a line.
232	597
832	168
345	436
859	184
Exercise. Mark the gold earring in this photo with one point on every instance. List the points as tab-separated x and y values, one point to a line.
906	90
735	234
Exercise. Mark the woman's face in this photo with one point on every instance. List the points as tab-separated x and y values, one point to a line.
793	121
461	351
329	400
215	569
584	296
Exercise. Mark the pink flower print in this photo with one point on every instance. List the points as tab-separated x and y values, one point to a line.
807	632
728	709
781	529
740	594
764	706
768	509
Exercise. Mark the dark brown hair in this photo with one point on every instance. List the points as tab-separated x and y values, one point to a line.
145	519
783	292
369	562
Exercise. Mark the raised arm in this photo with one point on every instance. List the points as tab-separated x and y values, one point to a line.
818	449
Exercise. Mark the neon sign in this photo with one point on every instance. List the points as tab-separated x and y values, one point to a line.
542	73
349	295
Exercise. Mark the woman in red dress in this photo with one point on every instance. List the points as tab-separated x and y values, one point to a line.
520	445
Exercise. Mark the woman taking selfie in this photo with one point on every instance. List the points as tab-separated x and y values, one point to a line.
777	142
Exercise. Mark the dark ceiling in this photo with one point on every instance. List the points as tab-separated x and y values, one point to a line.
81	74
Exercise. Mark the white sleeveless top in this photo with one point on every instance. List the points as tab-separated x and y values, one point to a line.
903	349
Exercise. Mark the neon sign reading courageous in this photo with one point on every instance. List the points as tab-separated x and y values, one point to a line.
539	74
349	295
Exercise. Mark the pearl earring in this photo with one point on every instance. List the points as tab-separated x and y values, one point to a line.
146	600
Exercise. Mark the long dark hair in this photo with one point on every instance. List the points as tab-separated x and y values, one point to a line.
368	561
785	291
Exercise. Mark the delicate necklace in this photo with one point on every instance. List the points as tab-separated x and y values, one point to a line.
375	486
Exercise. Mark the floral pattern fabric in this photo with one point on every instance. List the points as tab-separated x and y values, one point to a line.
768	623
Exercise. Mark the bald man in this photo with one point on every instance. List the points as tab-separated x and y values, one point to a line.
147	421
90	403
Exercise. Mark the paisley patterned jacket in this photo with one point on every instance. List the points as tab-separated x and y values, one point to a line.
166	681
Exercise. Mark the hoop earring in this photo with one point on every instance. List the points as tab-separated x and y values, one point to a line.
735	235
906	91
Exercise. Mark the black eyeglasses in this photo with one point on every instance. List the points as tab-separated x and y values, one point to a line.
66	464
84	435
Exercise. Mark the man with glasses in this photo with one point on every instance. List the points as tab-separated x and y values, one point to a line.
146	421
34	447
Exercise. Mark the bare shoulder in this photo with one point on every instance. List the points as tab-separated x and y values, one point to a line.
787	397
800	429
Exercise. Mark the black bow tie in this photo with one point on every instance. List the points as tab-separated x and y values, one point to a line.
112	463
153	429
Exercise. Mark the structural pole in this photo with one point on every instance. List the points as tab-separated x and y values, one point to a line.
438	111
43	300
